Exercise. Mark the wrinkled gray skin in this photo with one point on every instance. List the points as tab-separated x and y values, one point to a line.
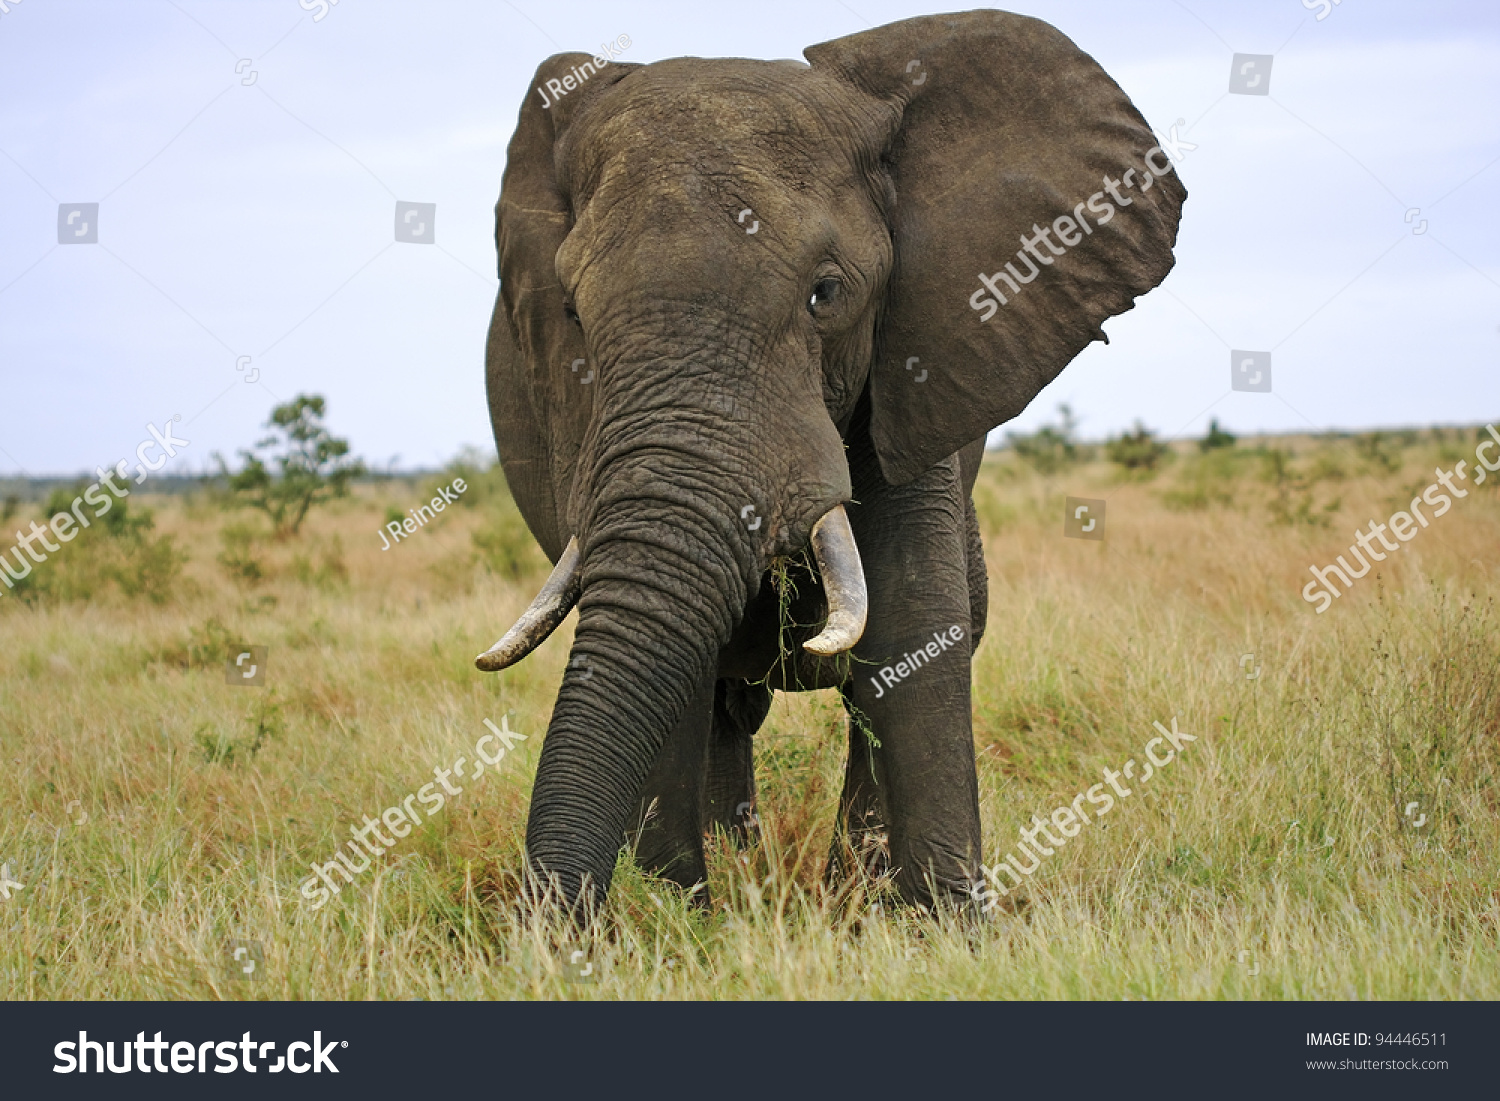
774	372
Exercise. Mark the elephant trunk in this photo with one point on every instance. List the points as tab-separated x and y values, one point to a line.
662	583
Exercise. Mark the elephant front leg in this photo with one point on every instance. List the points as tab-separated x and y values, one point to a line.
861	838
910	683
668	836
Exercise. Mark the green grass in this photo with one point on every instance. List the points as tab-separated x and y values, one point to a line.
155	814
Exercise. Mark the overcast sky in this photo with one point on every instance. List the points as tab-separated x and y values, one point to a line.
247	159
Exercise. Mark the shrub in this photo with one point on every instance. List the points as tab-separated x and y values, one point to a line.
116	548
1326	468
206	647
1216	437
238	556
329	572
150	568
265	722
1207	479
1379	451
506	546
1136	450
1052	448
1293	500
481	472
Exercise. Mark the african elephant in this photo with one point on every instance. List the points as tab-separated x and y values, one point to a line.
744	311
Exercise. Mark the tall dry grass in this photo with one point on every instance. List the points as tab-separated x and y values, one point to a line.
156	815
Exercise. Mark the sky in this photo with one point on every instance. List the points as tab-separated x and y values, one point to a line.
247	159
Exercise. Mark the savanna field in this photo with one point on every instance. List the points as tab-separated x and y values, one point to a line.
1332	833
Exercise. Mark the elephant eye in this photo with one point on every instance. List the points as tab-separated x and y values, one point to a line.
824	293
570	313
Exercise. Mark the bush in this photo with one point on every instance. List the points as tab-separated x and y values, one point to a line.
1293	500
150	568
238	556
206	647
1052	448
506	546
1326	468
1216	437
483	475
1136	450
1207	479
1379	451
329	572
265	722
115	549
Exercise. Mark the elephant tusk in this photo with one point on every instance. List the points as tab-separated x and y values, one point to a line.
550	608
843	582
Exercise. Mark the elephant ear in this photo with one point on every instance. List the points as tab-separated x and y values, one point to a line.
535	360
1005	126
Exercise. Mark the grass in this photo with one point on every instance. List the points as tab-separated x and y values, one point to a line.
157	815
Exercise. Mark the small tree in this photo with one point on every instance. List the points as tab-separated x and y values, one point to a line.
311	466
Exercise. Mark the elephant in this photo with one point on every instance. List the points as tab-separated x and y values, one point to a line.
743	315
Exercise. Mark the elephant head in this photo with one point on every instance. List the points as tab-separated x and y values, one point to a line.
715	275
